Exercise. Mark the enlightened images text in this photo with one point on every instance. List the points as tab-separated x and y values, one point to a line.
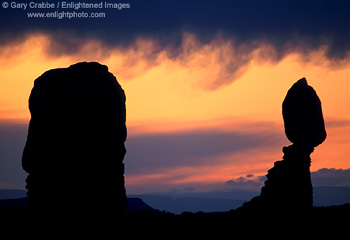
78	5
68	5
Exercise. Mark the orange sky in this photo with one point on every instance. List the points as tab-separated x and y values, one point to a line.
196	91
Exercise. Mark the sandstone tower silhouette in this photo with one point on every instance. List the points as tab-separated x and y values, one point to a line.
288	186
75	145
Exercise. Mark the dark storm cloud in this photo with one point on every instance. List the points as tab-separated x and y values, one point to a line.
286	25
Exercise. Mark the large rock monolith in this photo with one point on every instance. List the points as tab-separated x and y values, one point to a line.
75	146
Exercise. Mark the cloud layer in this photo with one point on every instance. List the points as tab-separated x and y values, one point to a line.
249	182
160	152
167	154
331	177
284	26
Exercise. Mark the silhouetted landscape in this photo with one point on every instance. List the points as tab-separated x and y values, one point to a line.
143	221
194	202
74	156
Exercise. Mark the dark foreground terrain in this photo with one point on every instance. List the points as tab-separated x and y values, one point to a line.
146	222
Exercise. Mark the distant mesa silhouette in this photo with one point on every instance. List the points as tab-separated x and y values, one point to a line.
288	186
75	145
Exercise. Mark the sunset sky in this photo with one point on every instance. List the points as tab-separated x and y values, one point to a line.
204	84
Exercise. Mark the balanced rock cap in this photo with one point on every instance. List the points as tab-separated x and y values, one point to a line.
302	115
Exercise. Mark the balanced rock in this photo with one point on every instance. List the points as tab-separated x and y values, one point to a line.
75	146
302	115
288	188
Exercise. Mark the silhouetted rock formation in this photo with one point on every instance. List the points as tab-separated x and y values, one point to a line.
75	146
302	115
288	186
